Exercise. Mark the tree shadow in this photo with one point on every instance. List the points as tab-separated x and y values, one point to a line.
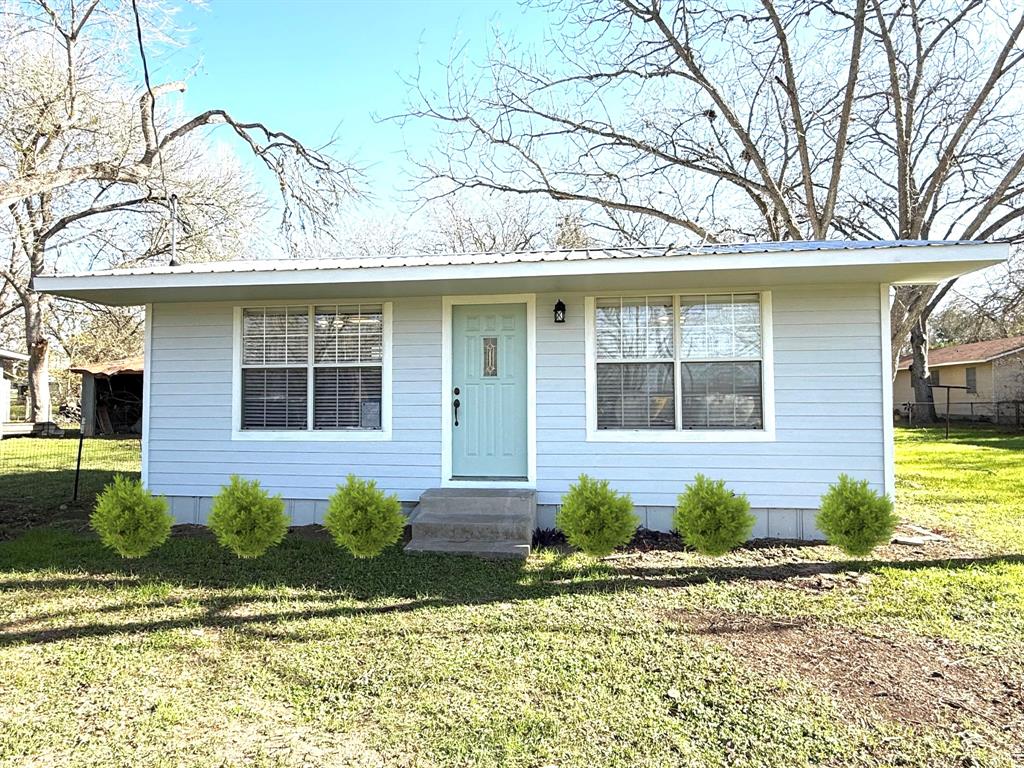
1001	438
325	583
42	491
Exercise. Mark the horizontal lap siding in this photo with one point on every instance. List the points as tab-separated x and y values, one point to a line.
828	405
191	452
828	388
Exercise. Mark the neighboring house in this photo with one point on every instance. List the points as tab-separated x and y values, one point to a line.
112	397
8	361
988	377
456	379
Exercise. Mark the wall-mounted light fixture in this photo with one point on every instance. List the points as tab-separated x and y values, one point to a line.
559	311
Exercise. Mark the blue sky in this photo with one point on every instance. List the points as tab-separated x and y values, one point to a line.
309	67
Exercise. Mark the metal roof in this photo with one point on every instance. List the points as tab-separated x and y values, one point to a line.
517	257
9	355
112	367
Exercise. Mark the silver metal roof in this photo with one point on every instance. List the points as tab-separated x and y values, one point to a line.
514	257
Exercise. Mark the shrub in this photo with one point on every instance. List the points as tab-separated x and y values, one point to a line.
855	518
129	519
596	519
711	518
362	519
246	519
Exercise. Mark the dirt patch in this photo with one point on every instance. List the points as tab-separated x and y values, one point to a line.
16	520
914	680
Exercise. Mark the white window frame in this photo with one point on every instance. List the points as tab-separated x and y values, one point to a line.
678	435
309	434
967	379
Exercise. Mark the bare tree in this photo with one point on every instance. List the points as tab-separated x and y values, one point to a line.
475	225
88	162
717	121
992	310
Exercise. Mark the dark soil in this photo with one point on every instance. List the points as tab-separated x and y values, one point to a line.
913	680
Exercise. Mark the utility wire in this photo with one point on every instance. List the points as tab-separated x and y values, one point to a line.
173	199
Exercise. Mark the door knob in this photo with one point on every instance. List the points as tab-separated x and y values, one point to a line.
456	404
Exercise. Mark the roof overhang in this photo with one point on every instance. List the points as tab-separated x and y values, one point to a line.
904	264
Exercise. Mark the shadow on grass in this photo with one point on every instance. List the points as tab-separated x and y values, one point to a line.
46	489
981	437
331	583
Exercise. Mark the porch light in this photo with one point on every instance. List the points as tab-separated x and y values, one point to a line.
559	311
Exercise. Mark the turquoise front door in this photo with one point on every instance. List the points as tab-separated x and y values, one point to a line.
489	392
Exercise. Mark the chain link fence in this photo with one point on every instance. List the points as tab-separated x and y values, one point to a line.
1004	413
38	472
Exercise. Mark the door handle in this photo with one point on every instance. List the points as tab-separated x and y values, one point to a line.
456	404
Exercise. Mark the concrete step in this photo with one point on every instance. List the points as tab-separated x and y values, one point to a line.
498	550
486	522
467	527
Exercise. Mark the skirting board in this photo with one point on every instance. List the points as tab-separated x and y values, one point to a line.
772	523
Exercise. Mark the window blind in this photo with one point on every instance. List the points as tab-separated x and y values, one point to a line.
341	370
697	358
635	348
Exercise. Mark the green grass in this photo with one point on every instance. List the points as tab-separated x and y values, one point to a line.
306	656
38	474
972	483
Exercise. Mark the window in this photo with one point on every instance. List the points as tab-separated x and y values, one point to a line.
678	363
971	375
936	379
635	383
312	368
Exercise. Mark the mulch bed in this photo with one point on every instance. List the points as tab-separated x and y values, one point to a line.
914	680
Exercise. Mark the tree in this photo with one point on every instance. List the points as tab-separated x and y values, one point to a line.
479	226
708	121
989	311
89	163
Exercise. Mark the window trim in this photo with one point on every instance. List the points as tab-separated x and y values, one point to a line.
765	434
309	434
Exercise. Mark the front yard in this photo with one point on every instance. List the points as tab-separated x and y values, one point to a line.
771	656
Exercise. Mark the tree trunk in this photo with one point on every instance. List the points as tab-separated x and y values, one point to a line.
920	376
36	307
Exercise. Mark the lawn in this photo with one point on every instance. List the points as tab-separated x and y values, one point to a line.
771	656
37	475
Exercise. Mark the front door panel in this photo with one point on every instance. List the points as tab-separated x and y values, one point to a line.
489	369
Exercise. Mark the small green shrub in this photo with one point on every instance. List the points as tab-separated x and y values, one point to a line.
596	519
246	519
362	519
129	519
855	518
711	518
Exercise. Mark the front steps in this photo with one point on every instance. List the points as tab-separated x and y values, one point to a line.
470	521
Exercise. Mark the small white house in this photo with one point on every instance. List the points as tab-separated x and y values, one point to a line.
8	359
766	365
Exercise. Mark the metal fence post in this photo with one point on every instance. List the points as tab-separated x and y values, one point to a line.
78	464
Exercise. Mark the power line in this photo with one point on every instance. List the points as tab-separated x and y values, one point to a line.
173	209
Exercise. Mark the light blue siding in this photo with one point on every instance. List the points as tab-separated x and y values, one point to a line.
828	394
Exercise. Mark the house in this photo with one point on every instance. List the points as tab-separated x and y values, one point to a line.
112	397
487	382
986	380
8	361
